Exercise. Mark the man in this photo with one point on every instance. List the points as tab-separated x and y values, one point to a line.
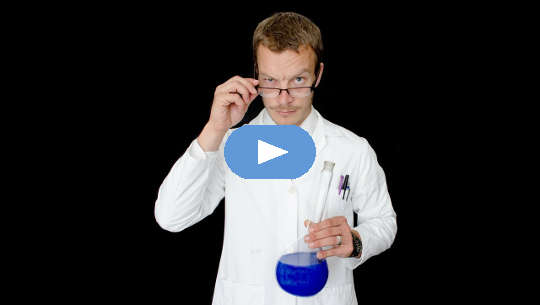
263	217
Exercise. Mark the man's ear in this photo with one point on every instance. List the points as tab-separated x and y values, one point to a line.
321	68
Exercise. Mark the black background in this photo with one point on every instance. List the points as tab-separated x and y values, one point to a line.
138	83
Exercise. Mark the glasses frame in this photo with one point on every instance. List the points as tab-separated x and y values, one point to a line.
287	89
312	87
256	76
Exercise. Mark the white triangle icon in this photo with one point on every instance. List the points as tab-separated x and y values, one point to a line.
266	152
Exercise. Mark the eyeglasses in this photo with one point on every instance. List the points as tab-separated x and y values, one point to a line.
299	92
294	91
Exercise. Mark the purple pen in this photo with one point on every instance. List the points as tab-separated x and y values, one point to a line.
340	184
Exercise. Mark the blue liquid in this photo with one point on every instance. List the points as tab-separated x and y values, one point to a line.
302	273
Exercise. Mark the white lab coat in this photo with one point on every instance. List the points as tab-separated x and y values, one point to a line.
264	217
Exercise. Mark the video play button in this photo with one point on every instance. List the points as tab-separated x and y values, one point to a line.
269	151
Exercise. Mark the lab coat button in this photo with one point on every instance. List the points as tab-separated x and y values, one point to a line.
292	189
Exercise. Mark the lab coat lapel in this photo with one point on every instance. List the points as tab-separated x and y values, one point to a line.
319	134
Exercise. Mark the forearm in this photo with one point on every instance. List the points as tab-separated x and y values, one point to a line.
210	138
191	190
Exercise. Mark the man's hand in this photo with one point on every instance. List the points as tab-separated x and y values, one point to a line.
231	101
325	233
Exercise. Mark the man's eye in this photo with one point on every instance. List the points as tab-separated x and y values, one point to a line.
268	79
299	79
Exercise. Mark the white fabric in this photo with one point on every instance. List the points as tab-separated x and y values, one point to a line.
263	217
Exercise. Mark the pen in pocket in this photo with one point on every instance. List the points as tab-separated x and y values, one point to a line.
345	185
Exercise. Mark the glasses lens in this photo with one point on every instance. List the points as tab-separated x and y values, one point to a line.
299	92
294	92
268	92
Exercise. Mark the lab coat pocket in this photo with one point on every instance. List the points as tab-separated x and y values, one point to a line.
240	293
342	295
335	205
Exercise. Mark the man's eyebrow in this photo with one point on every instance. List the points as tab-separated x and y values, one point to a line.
264	74
303	71
297	74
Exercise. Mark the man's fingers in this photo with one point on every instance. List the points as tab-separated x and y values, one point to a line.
255	82
341	251
334	221
245	87
248	83
233	98
247	95
324	233
324	242
252	98
239	88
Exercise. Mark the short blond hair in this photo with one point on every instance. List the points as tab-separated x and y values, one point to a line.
288	31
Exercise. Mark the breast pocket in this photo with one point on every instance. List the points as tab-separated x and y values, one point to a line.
336	203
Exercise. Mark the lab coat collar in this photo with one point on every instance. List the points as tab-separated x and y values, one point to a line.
314	124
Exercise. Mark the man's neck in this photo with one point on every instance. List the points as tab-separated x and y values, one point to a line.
308	123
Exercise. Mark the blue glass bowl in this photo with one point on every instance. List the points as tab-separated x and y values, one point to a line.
302	273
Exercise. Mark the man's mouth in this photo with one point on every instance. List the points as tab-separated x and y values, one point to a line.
285	111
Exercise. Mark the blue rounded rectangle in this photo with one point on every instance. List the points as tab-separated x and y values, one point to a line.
292	146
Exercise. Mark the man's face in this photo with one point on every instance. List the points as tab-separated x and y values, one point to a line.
286	70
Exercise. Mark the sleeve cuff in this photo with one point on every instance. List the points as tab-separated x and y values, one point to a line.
353	262
195	151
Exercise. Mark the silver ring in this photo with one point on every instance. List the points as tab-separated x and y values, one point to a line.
339	240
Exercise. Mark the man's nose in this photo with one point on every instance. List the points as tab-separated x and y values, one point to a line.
284	97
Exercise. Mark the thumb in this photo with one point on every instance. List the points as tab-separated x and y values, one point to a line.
255	82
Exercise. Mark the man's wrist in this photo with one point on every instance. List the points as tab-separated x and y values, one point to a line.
210	137
357	245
